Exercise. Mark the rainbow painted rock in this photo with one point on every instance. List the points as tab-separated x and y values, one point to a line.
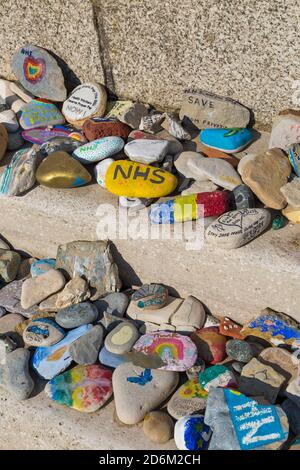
211	344
102	127
178	352
190	207
227	140
38	114
59	170
131	179
84	388
217	376
40	136
191	433
98	150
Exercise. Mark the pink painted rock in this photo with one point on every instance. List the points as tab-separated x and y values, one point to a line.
211	344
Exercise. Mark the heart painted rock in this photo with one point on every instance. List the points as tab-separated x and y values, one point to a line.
98	150
84	388
121	339
150	296
40	136
3	141
132	179
37	113
236	228
59	170
227	140
138	391
146	151
211	344
191	433
20	173
97	128
43	332
187	400
51	361
178	352
217	376
39	73
85	101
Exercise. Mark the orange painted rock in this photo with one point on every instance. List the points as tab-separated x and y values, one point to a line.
211	344
230	328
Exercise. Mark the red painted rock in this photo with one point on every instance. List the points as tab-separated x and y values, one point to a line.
96	128
230	328
211	344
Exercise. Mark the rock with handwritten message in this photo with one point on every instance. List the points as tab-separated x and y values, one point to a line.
188	399
38	114
85	101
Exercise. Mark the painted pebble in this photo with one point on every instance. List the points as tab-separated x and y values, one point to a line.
210	344
191	433
41	266
121	339
43	332
109	359
98	150
188	399
294	157
85	101
97	128
20	173
38	114
230	328
150	296
84	388
227	140
40	135
217	376
100	171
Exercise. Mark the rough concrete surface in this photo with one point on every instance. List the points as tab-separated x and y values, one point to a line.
152	50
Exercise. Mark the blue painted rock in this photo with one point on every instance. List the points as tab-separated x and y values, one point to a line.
41	266
39	73
38	114
150	296
227	140
85	101
99	149
191	433
85	388
40	135
51	361
19	175
131	179
110	359
76	315
59	170
43	332
294	157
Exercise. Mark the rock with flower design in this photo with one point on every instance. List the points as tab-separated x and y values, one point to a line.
211	344
84	388
217	376
178	352
188	399
191	433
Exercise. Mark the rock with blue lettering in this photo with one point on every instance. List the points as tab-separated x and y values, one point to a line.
20	173
39	114
42	332
98	150
191	433
41	266
146	151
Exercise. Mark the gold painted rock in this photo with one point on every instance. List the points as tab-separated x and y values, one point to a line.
131	179
59	170
3	140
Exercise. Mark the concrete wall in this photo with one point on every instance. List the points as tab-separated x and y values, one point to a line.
152	49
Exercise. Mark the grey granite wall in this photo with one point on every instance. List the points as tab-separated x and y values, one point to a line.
152	49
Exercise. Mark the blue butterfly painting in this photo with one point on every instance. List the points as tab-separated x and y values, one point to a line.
141	379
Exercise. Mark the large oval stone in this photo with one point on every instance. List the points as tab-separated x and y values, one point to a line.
59	170
131	179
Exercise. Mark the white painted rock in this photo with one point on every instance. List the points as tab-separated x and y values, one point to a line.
138	391
9	120
191	313
101	169
146	151
99	149
85	101
121	339
35	290
236	228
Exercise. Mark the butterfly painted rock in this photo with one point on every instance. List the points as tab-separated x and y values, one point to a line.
142	379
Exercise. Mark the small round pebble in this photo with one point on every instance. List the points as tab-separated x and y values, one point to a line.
158	427
239	350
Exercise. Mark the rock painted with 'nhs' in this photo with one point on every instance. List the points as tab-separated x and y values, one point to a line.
99	149
51	361
131	179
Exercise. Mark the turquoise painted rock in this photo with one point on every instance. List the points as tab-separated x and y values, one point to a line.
41	266
51	361
99	149
39	114
191	433
217	376
19	175
227	140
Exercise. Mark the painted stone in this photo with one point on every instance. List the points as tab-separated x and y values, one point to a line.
52	360
217	376
282	361
207	110
3	141
59	144
230	328
38	114
187	400
85	101
152	122
131	114
97	128
114	108
76	315
236	228
138	391
40	135
19	175
285	131
227	140
9	322
10	299
109	359
100	171
240	423
178	352
294	157
159	316
174	145
9	265
98	150
265	174
243	197
74	292
15	376
93	261
85	349
43	332
189	207
85	388
158	427
260	379
121	339
150	296
131	179
211	344
173	125
20	327
15	141
39	73
146	151
190	313
274	327
41	266
59	170
194	371
37	289
191	433
239	350
9	120
291	193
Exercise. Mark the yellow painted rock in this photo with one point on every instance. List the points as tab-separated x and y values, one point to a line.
292	214
3	141
125	178
59	170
